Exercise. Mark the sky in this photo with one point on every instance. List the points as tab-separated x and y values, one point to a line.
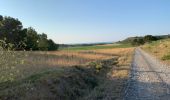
88	21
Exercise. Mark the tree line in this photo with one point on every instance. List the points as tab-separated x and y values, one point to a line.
14	35
142	40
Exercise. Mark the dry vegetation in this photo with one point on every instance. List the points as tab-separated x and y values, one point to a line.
89	74
160	49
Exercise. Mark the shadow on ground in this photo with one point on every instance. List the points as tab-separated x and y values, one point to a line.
147	89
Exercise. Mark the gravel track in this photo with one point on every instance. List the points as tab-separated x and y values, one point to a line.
150	79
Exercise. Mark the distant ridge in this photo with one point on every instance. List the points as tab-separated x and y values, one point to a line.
130	39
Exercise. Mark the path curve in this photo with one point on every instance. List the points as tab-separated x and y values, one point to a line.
150	79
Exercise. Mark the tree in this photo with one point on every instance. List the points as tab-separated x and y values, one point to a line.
52	46
31	39
21	38
140	41
149	38
137	42
12	32
42	42
1	18
1	32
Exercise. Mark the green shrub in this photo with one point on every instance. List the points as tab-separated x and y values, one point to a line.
166	57
97	66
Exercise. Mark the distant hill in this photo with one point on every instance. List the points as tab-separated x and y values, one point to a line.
163	36
130	39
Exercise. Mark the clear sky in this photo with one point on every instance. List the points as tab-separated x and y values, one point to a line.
82	21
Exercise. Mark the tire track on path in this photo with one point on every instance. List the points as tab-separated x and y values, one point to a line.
149	78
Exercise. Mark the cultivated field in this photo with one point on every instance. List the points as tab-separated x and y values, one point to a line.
42	75
106	46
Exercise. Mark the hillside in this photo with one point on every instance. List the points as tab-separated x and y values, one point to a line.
160	49
158	37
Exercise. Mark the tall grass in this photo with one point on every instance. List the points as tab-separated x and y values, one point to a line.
64	74
17	65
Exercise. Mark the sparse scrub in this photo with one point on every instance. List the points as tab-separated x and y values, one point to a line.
159	49
166	57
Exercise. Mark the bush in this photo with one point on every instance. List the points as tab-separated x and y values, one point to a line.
166	57
137	42
96	65
149	38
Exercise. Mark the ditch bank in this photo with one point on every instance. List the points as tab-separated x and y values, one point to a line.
100	80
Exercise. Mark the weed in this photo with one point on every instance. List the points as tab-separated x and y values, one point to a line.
166	57
160	49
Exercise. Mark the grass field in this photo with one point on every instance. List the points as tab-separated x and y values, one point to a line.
97	47
160	49
66	74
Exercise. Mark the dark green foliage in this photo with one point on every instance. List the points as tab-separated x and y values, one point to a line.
163	37
42	42
137	41
1	18
12	31
31	39
5	46
52	45
149	38
166	57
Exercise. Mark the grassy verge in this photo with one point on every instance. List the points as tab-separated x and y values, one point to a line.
160	49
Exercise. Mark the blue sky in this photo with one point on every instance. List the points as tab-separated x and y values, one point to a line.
82	21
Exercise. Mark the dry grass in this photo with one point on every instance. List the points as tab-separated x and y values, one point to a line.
114	83
123	54
24	64
79	54
71	58
160	49
46	73
119	73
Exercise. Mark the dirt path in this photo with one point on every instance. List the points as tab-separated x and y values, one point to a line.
150	80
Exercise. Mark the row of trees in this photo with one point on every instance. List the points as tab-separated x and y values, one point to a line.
141	40
12	32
